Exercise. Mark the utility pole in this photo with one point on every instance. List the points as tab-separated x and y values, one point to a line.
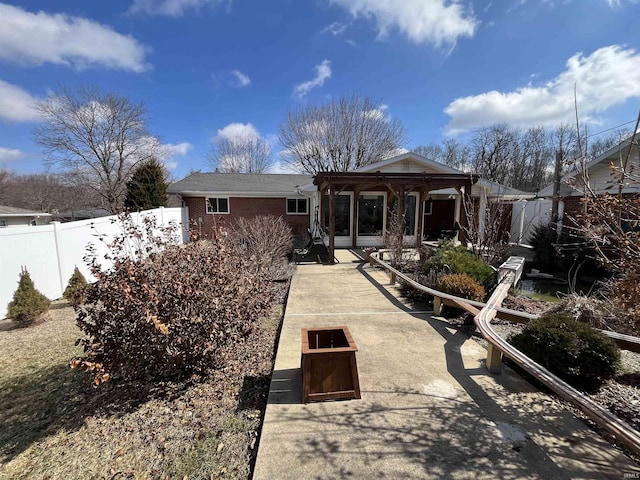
556	189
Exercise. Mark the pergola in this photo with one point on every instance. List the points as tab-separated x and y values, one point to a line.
396	184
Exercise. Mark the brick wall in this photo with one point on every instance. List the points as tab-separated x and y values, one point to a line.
572	209
247	208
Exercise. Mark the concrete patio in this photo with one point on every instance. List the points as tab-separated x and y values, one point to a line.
429	408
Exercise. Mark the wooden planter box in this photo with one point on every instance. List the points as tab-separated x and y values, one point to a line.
329	370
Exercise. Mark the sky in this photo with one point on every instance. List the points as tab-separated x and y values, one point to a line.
209	68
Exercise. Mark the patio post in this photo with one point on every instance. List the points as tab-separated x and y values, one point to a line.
456	214
332	224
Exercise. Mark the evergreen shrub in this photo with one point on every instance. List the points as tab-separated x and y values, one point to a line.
28	303
451	259
74	292
574	351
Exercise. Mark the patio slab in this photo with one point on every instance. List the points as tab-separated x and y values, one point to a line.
429	408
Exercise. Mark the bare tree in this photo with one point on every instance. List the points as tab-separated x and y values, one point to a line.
5	175
489	240
340	135
493	150
432	151
602	144
241	153
45	192
100	137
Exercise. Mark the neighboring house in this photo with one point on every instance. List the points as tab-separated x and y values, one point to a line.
19	217
431	193
83	214
598	179
223	197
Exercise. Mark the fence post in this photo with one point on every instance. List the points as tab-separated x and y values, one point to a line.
59	259
437	306
162	216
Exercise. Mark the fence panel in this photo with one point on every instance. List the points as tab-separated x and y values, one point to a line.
50	252
527	215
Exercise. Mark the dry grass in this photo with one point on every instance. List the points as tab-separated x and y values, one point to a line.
55	425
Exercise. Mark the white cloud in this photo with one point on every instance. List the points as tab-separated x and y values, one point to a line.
609	76
240	80
170	150
281	167
16	104
171	8
617	3
378	113
335	29
238	130
437	22
323	72
180	148
10	154
35	38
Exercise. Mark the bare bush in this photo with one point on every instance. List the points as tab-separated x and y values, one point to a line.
266	241
165	310
489	241
401	251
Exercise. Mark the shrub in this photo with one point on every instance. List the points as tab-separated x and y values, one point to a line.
28	303
453	259
167	313
266	241
461	285
625	292
572	350
544	240
74	292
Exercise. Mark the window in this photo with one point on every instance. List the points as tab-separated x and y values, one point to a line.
428	206
297	206
409	213
217	205
342	212
3	223
370	215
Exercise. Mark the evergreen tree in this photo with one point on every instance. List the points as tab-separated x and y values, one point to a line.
147	188
28	303
75	288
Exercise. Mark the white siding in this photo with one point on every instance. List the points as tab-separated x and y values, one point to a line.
408	166
600	178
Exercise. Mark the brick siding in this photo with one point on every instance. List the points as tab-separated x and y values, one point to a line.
247	208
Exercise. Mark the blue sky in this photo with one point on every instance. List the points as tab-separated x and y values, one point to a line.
208	67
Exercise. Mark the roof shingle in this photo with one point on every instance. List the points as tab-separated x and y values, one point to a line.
240	182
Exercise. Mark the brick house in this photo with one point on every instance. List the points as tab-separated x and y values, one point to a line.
598	178
215	197
432	195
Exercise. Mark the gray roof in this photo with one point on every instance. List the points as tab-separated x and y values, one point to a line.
240	183
6	210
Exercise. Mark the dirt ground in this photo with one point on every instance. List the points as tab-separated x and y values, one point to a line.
56	425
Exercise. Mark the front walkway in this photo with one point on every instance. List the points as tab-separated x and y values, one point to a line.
429	409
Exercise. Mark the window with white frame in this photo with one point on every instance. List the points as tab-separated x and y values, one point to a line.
217	205
297	206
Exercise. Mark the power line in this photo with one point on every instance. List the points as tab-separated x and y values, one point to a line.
609	129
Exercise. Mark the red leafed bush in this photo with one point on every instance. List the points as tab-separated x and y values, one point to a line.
164	310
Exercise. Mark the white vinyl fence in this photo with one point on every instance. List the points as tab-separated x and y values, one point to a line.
526	215
51	252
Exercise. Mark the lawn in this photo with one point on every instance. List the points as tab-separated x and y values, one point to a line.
56	425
